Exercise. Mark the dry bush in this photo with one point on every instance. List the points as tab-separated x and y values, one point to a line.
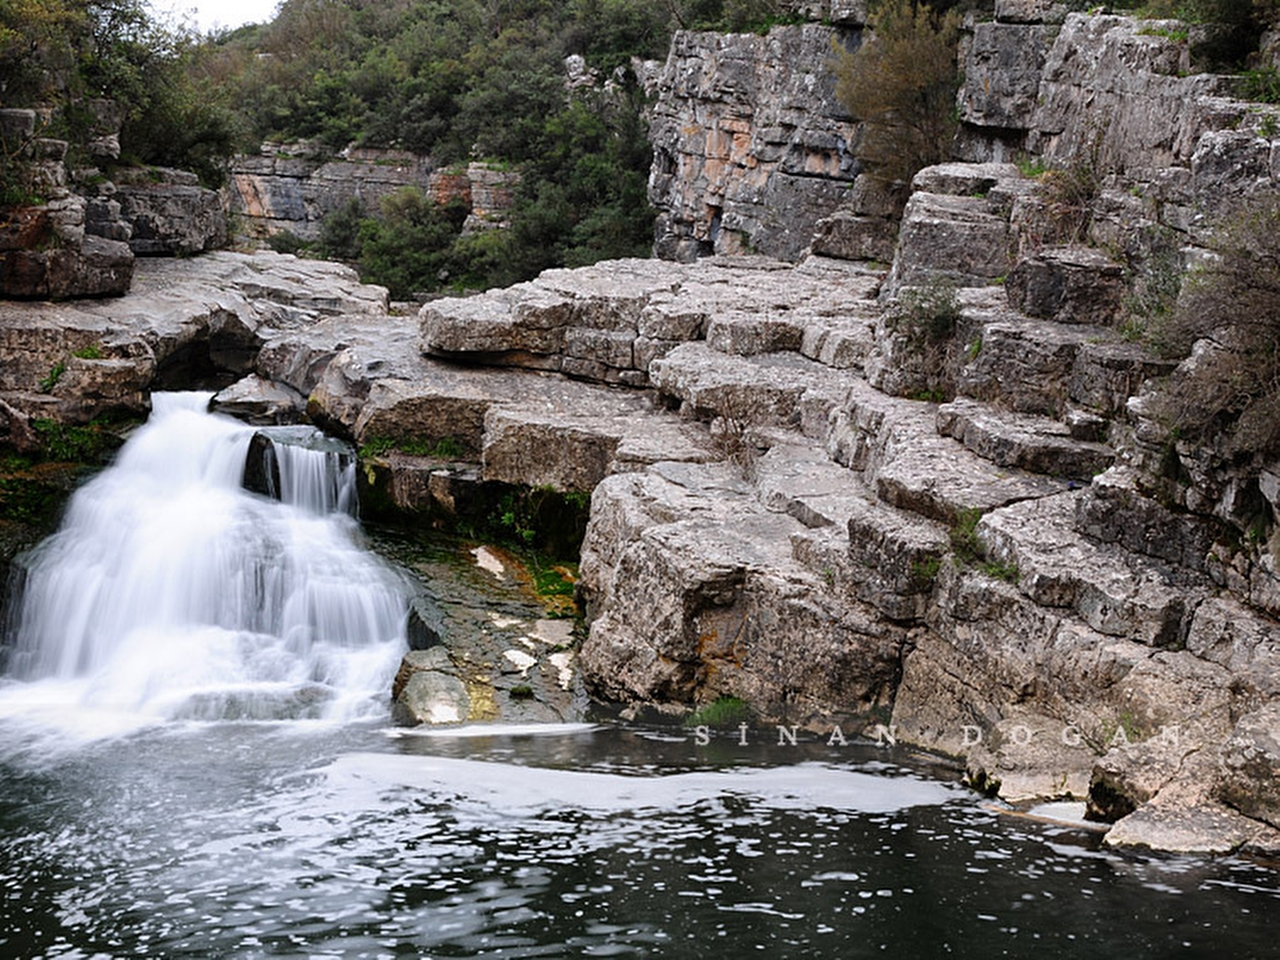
1227	321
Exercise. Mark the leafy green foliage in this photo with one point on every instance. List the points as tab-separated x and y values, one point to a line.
47	383
409	248
902	83
1261	85
66	54
928	317
722	712
467	80
68	443
964	535
446	448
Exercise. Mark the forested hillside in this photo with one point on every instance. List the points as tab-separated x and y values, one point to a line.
467	80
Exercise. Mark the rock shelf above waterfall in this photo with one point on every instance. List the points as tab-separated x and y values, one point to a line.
768	523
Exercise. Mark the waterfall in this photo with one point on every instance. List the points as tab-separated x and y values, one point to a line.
172	592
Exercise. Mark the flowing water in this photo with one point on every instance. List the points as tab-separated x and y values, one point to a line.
195	760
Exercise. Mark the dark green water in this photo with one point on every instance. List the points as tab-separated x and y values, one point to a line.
306	840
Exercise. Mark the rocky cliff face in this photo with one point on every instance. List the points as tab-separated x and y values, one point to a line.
79	232
293	187
750	145
819	489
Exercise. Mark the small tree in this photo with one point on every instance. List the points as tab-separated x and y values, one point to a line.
902	84
1231	308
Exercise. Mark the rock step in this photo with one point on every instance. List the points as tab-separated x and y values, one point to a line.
768	390
1020	440
961	240
915	469
1116	592
1043	366
572	451
799	479
609	322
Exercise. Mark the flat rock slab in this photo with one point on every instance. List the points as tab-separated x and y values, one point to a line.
1023	441
1113	591
610	322
573	446
764	390
936	477
232	302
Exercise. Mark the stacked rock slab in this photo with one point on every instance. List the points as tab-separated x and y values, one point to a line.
845	556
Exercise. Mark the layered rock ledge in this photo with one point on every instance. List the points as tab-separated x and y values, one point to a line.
806	492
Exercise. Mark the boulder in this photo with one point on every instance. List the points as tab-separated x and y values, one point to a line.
169	213
1067	284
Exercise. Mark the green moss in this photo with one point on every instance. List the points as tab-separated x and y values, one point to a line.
1030	167
47	384
724	712
92	352
445	448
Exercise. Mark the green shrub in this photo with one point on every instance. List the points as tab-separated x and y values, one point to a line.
902	84
723	712
964	535
1071	192
1261	85
929	318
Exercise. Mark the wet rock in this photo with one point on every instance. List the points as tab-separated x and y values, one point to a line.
1251	765
260	401
1025	757
426	689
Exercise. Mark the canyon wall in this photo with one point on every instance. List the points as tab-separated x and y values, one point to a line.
292	187
925	498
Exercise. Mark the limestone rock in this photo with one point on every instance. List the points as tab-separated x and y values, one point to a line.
848	236
1024	441
1115	594
1002	71
170	213
1114	510
1069	285
428	691
1025	757
959	240
770	153
1251	762
97	268
691	608
259	401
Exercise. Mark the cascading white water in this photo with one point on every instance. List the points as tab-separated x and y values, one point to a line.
172	592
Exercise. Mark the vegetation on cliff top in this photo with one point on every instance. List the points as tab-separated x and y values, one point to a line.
66	54
1229	311
902	84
